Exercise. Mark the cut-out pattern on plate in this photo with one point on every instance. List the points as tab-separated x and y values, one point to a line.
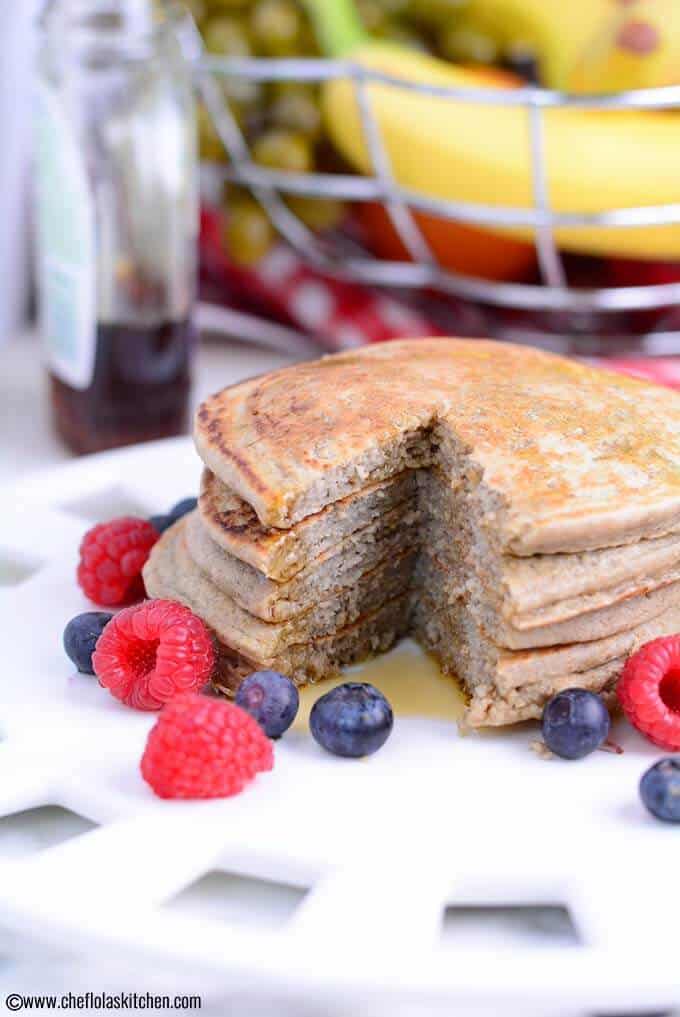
104	504
509	927
410	816
25	833
256	903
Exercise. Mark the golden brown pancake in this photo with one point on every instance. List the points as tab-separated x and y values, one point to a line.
567	457
517	512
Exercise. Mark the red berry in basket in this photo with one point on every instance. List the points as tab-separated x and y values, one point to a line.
151	652
202	747
649	691
112	556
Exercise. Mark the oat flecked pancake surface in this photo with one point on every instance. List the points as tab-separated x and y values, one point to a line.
342	567
253	636
507	685
280	554
244	642
571	458
583	626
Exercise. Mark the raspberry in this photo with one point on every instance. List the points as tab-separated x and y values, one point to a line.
649	691
150	652
201	747
112	556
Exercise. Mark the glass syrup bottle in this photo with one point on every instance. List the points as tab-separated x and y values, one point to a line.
117	220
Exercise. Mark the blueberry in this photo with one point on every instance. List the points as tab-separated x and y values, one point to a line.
81	635
660	790
353	719
575	723
271	699
182	508
161	523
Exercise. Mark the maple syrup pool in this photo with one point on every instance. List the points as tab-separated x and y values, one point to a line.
410	679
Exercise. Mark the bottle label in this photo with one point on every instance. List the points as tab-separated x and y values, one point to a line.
66	244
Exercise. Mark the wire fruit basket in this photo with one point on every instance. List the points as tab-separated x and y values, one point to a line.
549	311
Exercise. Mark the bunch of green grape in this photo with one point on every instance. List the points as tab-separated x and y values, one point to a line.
282	121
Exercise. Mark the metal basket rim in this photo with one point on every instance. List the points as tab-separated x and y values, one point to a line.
661	97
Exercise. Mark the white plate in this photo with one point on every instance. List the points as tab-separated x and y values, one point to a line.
384	845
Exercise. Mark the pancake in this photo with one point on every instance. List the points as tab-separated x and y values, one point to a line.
588	625
309	663
171	572
171	575
508	686
537	593
342	568
280	554
593	578
498	585
624	598
339	568
504	685
527	703
542	589
516	512
559	457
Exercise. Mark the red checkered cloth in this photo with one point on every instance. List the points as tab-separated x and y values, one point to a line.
662	370
342	315
339	314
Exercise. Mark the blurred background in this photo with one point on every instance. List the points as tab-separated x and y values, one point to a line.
283	177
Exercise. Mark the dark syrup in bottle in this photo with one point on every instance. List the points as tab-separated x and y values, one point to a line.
139	389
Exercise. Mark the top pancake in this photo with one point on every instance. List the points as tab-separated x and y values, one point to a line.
571	458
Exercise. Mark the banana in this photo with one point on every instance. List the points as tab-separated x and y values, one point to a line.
638	47
557	32
591	45
460	151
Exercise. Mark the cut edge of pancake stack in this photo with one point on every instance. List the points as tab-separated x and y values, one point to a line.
308	576
332	590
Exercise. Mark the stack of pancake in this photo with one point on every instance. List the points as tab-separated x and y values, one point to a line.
519	514
332	589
